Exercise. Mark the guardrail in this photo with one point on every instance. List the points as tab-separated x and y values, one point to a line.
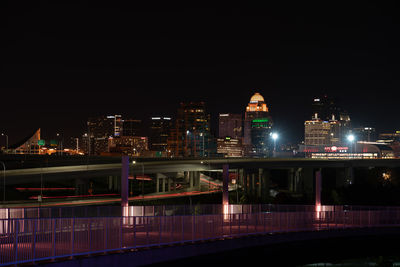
163	210
30	240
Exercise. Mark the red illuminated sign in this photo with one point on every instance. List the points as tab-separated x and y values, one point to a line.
336	149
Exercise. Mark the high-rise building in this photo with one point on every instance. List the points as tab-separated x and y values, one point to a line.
100	129
326	114
317	132
230	125
366	134
230	147
159	133
190	136
132	127
128	145
257	127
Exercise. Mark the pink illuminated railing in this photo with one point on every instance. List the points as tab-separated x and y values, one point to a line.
29	240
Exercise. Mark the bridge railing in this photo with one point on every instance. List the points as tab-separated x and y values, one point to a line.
160	210
30	240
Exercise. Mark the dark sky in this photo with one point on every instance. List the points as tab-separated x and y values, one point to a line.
60	64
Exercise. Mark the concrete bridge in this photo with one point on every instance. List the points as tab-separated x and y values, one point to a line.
303	176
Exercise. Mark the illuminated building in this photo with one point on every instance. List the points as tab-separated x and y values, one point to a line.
317	132
329	125
392	140
257	127
359	150
190	136
30	145
127	145
325	109
99	130
230	125
366	134
132	127
159	133
230	147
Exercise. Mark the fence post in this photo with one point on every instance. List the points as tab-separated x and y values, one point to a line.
34	240
183	234
54	238
159	228
120	232
72	235
90	234
105	225
16	229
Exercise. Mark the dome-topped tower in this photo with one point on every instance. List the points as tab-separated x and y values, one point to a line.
256	98
257	103
257	127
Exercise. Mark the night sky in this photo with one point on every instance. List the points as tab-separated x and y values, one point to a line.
60	64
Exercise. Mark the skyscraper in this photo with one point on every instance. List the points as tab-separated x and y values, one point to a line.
326	111
230	125
190	136
159	133
99	130
257	127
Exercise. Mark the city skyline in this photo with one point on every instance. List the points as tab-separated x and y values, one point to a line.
57	71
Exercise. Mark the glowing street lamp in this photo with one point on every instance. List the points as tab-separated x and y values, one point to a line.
3	134
351	138
274	137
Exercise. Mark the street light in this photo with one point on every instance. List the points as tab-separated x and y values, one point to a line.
274	137
61	143
351	138
3	134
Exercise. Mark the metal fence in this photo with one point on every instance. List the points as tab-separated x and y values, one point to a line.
160	210
30	240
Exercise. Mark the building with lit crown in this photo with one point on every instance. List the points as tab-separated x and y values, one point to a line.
257	127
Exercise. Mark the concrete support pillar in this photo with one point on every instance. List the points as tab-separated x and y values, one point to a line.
266	183
291	180
110	183
191	179
318	187
125	181
245	182
225	182
297	178
157	184
240	178
196	180
253	184
260	183
163	185
308	185
349	173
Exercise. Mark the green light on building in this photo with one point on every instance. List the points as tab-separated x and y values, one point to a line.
260	120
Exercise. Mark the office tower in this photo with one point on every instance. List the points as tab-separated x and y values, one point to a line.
325	110
128	145
230	125
99	130
132	127
317	132
230	147
190	136
257	127
366	134
159	132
